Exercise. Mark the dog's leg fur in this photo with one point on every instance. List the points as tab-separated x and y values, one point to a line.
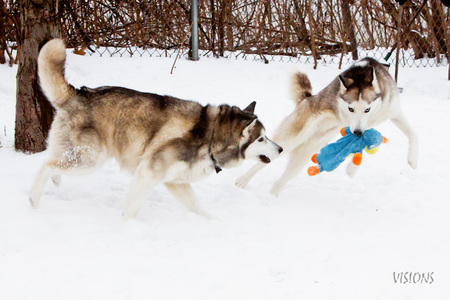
43	175
352	169
242	181
298	158
285	136
300	155
413	151
185	194
78	160
56	180
143	182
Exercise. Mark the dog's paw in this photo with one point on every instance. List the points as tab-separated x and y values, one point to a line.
33	202
203	213
56	180
413	163
129	214
413	159
351	170
242	182
275	190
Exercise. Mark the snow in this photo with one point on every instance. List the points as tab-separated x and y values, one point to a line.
323	237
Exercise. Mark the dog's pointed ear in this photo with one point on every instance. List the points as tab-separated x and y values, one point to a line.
250	108
374	82
346	82
249	124
370	76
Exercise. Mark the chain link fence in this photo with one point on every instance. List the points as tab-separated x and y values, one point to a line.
298	31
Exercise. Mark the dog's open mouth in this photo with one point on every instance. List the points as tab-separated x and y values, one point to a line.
264	159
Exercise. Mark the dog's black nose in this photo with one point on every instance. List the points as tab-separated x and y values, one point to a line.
357	132
280	150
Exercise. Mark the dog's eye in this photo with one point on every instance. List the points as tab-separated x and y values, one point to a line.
367	110
261	139
351	109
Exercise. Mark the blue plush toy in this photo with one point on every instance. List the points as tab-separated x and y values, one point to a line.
332	155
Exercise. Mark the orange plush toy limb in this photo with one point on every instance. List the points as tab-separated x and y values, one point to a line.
357	158
314	170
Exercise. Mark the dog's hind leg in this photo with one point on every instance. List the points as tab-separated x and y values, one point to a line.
185	194
43	175
56	180
413	152
298	157
76	160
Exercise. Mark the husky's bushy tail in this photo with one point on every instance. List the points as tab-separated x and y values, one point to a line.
51	62
300	86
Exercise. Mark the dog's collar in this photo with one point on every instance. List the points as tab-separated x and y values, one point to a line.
216	164
211	155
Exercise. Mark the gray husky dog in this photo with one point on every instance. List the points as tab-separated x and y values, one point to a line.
361	97
159	139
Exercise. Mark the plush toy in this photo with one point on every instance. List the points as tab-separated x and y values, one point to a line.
332	155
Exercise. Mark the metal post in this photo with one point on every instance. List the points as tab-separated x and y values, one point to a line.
193	52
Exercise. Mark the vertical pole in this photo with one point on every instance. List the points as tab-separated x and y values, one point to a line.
193	52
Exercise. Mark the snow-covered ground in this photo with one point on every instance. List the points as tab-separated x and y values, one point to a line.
323	237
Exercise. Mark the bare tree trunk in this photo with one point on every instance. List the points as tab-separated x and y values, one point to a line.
349	29
399	30
3	17
221	26
439	24
300	29
365	21
229	28
213	27
34	114
313	38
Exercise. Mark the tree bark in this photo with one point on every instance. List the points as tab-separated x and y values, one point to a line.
3	16
34	114
221	26
438	23
213	28
349	29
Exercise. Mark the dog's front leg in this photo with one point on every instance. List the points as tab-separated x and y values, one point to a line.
242	181
142	184
351	169
413	152
353	166
185	194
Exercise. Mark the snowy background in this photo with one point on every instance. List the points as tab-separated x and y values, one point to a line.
323	237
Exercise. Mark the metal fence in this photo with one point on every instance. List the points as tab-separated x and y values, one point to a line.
306	31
